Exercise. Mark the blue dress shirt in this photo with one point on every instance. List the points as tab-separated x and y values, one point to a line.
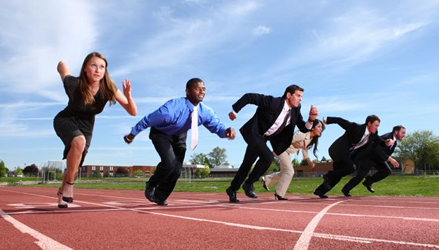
174	118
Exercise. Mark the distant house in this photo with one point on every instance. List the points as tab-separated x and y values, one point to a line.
408	166
320	169
110	171
223	171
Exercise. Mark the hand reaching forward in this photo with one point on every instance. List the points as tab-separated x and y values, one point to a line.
389	142
232	115
313	113
126	87
394	162
231	133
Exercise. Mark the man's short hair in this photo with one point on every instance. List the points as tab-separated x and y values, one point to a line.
291	89
397	128
372	119
192	82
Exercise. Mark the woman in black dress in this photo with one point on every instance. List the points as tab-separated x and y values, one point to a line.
88	95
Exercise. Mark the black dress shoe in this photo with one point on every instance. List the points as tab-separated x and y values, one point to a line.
320	194
150	193
161	203
346	193
232	195
265	185
278	197
368	186
248	189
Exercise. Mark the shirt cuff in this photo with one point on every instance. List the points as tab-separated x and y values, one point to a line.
134	132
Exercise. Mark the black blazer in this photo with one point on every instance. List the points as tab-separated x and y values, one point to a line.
268	111
353	134
382	152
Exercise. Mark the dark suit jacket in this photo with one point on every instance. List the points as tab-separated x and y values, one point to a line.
382	152
353	134
268	111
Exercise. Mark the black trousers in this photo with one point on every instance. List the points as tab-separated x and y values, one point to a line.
171	150
364	167
341	168
261	150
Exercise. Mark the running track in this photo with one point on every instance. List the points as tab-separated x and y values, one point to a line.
120	219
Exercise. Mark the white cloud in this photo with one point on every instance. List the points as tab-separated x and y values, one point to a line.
261	30
35	36
349	39
186	38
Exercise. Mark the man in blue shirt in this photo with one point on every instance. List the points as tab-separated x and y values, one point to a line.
169	125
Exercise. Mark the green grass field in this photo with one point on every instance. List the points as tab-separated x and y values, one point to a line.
394	185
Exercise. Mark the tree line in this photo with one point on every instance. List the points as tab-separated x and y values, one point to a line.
422	146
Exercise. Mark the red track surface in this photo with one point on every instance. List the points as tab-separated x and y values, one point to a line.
110	219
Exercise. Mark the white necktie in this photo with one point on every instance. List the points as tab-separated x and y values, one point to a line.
194	128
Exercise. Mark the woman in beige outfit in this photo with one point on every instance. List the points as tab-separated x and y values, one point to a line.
301	141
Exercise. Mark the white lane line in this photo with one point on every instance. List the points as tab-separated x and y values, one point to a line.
43	241
253	227
293	202
303	242
317	235
371	240
343	214
171	207
392	207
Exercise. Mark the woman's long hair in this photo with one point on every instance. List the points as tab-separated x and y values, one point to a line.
315	139
106	85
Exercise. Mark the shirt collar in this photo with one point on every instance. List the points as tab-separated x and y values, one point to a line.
190	105
367	131
285	107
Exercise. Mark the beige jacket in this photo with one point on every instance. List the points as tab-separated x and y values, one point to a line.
300	142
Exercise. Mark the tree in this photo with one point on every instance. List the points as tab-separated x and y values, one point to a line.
3	169
197	173
217	157
295	162
205	172
303	163
31	170
138	172
199	159
274	166
121	172
422	147
323	159
18	171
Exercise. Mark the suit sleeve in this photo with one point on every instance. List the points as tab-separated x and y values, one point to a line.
345	124
379	150
250	98
300	137
301	124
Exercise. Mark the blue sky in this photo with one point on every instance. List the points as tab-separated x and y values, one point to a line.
353	58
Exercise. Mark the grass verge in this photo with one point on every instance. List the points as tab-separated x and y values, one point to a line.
392	186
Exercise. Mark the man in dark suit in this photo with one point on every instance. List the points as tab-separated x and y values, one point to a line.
379	158
353	145
274	121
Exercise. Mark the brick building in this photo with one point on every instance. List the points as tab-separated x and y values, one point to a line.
110	171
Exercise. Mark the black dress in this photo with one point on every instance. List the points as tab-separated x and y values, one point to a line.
77	118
